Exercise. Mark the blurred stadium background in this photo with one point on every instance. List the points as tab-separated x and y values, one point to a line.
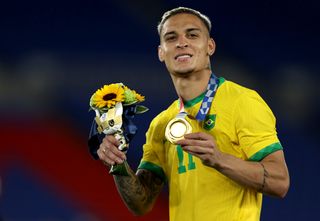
55	54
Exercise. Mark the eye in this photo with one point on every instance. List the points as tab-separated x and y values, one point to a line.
193	35
170	38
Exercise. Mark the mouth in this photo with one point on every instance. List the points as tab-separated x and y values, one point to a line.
182	56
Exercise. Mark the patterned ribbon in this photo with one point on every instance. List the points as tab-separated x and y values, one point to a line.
206	101
208	97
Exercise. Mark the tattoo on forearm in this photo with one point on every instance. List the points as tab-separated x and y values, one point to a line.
152	184
139	190
265	176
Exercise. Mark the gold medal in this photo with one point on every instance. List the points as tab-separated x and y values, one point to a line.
176	129
179	126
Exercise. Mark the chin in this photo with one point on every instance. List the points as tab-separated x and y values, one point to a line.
183	72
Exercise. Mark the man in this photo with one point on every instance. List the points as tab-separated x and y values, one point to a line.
220	170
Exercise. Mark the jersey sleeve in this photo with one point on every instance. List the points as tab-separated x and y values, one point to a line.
255	126
153	150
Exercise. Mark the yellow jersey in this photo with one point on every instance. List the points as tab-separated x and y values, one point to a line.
243	126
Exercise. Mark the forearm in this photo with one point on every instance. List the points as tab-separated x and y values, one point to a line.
265	176
132	192
137	193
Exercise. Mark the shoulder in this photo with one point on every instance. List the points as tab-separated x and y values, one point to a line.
230	88
245	105
236	93
229	94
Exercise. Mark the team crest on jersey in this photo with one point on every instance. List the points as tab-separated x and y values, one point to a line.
209	122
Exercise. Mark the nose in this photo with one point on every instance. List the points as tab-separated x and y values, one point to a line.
182	42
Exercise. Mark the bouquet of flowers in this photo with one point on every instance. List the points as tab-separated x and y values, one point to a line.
115	106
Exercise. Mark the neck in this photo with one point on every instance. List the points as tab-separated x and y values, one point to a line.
192	85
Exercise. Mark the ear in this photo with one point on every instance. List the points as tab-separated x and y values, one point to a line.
160	53
211	46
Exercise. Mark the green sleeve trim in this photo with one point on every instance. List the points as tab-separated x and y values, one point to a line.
195	100
153	168
266	151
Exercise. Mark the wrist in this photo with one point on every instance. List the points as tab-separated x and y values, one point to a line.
122	169
222	162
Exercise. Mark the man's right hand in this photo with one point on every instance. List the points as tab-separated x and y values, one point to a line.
109	153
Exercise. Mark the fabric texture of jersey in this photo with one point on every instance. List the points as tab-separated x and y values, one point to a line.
242	125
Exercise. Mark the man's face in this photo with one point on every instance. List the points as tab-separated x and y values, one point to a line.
185	44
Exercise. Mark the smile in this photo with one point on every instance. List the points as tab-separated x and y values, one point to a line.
182	56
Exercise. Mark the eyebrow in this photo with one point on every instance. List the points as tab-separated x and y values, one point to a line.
193	29
188	30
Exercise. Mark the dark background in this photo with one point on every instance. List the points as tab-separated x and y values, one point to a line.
55	54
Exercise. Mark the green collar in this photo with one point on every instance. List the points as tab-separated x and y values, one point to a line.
195	100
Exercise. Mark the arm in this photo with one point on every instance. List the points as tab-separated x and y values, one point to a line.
270	176
138	191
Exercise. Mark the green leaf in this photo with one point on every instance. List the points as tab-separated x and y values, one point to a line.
128	104
141	109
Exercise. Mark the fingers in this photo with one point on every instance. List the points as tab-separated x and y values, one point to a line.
108	151
198	139
198	136
197	150
192	142
198	143
201	145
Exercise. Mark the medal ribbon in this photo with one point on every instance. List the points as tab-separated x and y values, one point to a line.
206	101
208	97
182	113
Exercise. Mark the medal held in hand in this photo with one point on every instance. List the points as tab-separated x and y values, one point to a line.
115	106
179	126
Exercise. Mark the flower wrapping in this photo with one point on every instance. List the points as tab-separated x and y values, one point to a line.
115	106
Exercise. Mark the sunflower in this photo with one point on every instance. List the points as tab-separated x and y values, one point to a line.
107	96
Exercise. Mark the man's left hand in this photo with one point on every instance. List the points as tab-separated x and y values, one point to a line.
203	146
